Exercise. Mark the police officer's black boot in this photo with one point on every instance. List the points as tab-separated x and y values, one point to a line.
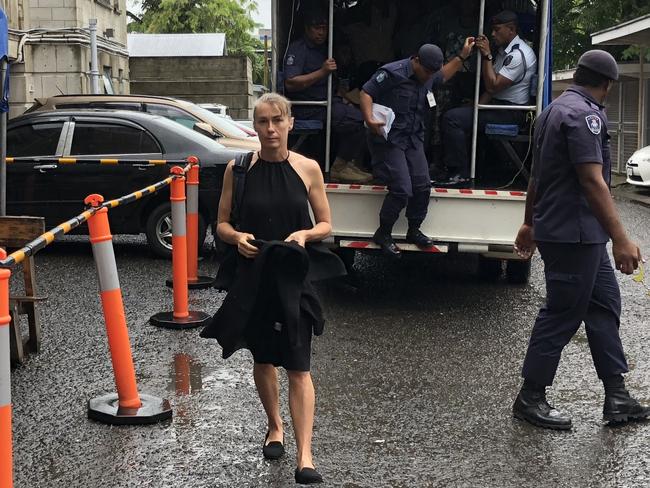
619	406
385	240
531	406
415	236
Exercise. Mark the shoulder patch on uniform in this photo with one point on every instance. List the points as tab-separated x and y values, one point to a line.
381	76
508	60
594	123
290	60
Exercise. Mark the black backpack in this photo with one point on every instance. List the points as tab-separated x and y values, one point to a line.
239	170
227	254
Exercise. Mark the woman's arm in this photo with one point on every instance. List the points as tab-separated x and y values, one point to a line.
319	205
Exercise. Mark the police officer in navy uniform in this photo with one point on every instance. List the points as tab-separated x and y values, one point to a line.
306	70
570	217
507	79
399	160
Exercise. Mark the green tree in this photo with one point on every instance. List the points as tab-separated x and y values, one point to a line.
575	20
231	17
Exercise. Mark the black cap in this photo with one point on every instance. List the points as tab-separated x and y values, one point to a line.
504	17
600	62
316	16
430	57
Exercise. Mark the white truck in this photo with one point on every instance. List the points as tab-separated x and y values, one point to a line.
467	220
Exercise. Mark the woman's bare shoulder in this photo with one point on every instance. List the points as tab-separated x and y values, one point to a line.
305	163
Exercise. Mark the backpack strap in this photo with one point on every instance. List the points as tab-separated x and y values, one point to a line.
239	170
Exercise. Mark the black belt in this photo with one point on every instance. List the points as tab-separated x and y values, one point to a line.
496	101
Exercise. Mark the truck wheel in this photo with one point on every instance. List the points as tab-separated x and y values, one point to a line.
518	272
489	269
347	255
158	230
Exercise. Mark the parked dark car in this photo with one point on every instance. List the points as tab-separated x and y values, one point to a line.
186	113
56	191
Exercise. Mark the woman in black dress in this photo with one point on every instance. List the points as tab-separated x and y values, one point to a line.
280	185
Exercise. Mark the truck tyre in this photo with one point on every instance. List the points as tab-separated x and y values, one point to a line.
489	269
158	230
347	255
518	272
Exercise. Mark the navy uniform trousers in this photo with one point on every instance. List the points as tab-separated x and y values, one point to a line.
347	126
580	287
456	128
406	174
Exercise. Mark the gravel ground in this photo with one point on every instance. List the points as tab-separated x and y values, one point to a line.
415	378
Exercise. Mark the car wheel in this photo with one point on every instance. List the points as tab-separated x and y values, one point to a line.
489	269
518	272
158	230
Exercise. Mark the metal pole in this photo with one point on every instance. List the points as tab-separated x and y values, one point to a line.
541	56
266	61
6	443
274	45
640	130
330	53
3	145
94	72
477	93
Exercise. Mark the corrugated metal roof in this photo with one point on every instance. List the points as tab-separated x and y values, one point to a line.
176	45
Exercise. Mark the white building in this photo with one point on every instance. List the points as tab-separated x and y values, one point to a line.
628	105
50	48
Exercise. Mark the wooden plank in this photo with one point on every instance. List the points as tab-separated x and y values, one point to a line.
17	354
33	319
16	231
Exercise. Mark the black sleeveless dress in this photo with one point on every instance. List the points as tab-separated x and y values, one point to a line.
275	204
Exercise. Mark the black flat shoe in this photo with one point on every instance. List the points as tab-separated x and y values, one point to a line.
273	450
308	476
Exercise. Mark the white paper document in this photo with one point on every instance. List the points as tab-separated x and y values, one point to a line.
385	115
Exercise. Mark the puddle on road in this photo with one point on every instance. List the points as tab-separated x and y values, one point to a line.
188	376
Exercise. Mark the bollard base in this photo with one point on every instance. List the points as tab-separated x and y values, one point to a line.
168	321
200	283
106	409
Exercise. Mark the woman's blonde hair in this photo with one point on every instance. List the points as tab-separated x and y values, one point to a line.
274	100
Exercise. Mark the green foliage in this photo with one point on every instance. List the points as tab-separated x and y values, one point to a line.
575	20
231	17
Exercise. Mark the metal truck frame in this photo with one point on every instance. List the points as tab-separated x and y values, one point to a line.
483	222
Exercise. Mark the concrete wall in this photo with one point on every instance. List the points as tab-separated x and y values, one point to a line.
49	68
56	14
18	17
227	80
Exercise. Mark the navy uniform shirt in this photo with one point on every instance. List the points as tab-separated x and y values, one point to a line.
570	131
304	57
395	85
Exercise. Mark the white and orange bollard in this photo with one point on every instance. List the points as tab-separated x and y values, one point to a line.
6	446
194	281
181	317
127	406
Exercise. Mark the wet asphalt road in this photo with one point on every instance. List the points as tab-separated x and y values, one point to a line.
415	377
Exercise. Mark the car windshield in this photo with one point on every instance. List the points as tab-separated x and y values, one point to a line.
190	134
223	125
